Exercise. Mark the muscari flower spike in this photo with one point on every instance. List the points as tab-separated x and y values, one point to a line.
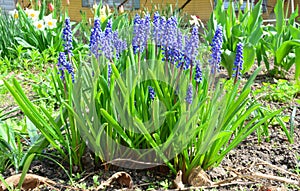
108	29
107	41
179	52
169	40
198	73
63	65
189	94
156	28
67	36
147	29
141	32
109	71
238	62
136	33
190	51
151	92
216	50
162	25
95	37
191	48
119	44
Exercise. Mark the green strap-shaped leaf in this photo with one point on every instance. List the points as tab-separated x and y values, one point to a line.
116	125
255	16
249	57
279	13
297	62
286	48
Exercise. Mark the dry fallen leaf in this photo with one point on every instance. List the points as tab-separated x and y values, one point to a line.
198	177
272	188
178	181
122	178
31	181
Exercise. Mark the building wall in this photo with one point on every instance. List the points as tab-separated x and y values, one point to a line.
74	9
272	3
202	8
7	5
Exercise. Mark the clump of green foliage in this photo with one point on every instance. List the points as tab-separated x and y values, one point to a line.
281	91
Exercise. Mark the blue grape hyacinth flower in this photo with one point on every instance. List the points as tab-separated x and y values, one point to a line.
151	92
194	40
107	42
141	32
147	29
216	50
109	71
63	65
67	36
169	41
189	94
95	37
119	44
198	73
162	25
238	62
156	28
191	48
136	33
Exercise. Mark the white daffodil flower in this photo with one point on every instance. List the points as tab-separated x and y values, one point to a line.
95	6
14	13
105	12
195	20
50	23
32	14
39	24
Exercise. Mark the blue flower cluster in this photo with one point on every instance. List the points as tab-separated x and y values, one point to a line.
176	47
95	38
198	72
106	45
141	33
151	92
106	42
169	39
63	65
189	94
238	62
109	71
162	25
172	42
157	29
67	36
119	44
216	50
191	48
